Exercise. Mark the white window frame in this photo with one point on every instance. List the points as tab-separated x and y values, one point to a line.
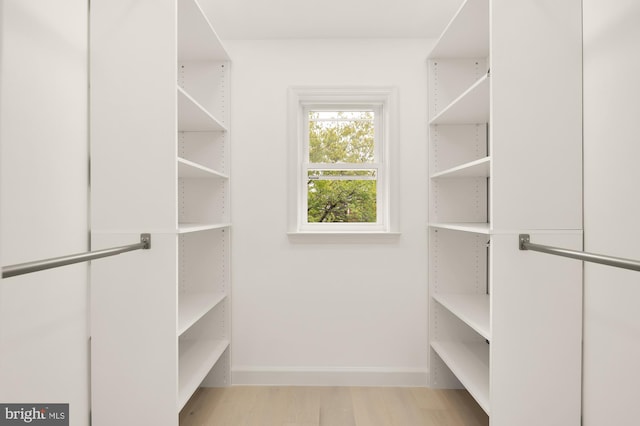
383	102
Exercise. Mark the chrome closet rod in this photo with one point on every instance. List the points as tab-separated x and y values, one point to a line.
617	262
39	265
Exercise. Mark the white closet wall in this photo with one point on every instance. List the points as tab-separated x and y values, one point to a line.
612	208
324	313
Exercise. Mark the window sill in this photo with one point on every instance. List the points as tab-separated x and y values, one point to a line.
343	237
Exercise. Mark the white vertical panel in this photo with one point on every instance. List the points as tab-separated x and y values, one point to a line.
536	131
133	115
134	305
134	298
612	209
536	332
43	206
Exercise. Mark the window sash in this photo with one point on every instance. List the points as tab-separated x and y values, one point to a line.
377	165
378	140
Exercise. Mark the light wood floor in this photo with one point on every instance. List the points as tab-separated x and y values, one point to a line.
331	406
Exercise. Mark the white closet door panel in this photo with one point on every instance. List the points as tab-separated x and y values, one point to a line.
536	330
133	116
133	327
536	116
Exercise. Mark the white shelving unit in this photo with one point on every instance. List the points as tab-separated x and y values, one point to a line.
470	363
160	164
472	106
472	309
194	117
476	168
503	161
197	358
192	307
474	228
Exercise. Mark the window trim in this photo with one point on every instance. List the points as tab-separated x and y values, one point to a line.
300	101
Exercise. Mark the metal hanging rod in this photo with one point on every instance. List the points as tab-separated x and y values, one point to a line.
617	262
39	265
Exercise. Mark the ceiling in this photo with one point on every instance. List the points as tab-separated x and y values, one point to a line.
286	19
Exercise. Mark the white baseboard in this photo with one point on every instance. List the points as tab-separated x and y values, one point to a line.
300	376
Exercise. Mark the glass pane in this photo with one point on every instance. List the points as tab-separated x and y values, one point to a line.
334	198
341	137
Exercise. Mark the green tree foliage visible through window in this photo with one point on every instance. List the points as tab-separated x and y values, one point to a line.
348	196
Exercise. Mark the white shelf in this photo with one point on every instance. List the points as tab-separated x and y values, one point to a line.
476	228
197	40
477	168
472	309
467	35
189	169
471	107
193	306
197	357
185	228
194	117
470	363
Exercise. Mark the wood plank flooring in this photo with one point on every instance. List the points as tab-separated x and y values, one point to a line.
331	406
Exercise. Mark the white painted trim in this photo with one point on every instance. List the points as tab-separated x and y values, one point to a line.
318	376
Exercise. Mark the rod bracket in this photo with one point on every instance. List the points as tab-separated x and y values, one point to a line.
522	240
146	240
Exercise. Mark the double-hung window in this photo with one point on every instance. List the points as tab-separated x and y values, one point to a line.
341	162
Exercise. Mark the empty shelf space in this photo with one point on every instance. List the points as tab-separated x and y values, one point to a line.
476	228
477	168
471	107
185	228
197	357
194	117
193	306
189	169
470	363
197	40
472	309
467	35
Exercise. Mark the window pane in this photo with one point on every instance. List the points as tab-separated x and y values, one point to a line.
337	199
341	137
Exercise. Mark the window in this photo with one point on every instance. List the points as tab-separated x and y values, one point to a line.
340	161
